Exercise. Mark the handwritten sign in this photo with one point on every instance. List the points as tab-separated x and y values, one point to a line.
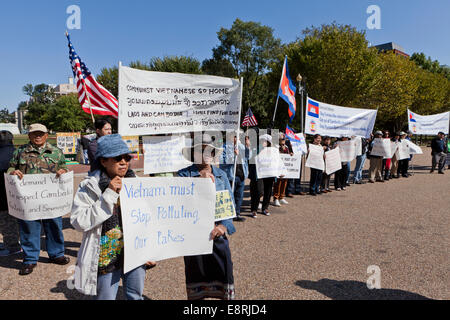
333	161
224	206
165	218
39	196
414	148
381	147
292	165
162	102
403	150
347	150
269	164
315	157
394	147
164	154
68	141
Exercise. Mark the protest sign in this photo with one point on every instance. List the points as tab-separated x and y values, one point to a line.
224	206
269	164
292	164
315	157
393	150
161	102
403	150
414	148
39	196
164	154
299	146
333	161
329	120
428	125
358	145
68	141
381	147
347	150
165	218
132	144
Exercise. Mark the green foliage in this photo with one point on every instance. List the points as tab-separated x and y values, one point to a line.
6	116
108	78
250	48
427	64
41	93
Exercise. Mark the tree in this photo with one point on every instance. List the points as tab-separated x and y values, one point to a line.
41	93
108	78
218	67
6	116
250	48
66	115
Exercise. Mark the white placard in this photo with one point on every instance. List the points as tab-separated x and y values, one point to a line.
428	125
347	150
39	196
160	102
292	164
403	150
334	121
315	157
414	148
269	164
381	147
394	147
164	154
358	146
333	161
165	218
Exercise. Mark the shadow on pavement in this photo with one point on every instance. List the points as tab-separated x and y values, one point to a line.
73	294
355	290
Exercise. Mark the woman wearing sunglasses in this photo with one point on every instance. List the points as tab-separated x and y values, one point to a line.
211	275
96	212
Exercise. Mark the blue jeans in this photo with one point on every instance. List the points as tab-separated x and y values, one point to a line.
133	284
315	181
347	177
239	186
357	174
30	238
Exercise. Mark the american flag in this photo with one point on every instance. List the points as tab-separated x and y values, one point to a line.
92	95
249	119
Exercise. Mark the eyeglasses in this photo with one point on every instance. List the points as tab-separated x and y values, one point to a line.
127	158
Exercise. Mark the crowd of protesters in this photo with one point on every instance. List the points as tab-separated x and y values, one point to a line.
96	210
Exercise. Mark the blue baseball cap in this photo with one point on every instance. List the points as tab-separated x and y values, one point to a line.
111	146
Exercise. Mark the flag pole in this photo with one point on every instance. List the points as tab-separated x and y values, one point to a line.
237	139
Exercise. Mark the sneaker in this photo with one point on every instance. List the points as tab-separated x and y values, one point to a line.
441	172
254	215
277	203
8	252
266	213
338	189
282	201
343	188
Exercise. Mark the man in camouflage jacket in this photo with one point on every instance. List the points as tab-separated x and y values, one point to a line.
39	157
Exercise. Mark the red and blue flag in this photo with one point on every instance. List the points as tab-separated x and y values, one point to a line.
313	108
287	90
290	134
411	117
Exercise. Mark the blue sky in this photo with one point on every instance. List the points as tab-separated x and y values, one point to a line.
33	48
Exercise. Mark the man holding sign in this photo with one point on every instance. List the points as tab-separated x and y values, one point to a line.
39	157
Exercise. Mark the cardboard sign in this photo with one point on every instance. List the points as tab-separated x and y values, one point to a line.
347	150
315	157
164	154
165	218
293	165
68	141
269	164
333	161
39	196
224	206
381	147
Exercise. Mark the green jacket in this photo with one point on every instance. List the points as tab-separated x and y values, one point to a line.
32	160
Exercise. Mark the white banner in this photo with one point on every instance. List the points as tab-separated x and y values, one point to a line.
160	102
293	165
164	154
381	147
347	150
329	120
333	161
269	164
165	218
39	196
428	125
315	157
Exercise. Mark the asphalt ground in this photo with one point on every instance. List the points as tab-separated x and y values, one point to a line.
313	248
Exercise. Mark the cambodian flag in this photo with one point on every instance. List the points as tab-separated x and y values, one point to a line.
313	108
411	117
290	134
287	90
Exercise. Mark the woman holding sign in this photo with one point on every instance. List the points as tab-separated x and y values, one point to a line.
211	275
96	212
